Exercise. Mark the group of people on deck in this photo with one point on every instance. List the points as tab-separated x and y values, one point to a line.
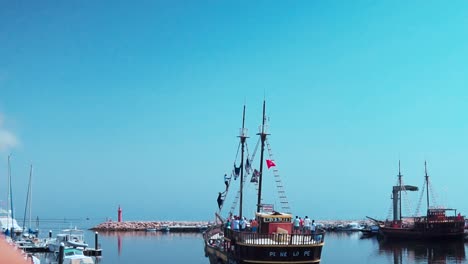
237	223
304	226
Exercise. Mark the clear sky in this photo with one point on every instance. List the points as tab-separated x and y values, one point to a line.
139	104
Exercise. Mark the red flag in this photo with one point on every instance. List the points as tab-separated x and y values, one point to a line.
270	163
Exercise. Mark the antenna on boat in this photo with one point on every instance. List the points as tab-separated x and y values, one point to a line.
263	136
242	136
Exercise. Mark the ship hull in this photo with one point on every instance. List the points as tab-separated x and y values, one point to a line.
265	254
415	234
245	247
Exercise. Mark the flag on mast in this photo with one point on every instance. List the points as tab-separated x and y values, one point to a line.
270	163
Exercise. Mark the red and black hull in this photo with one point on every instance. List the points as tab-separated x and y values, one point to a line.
439	230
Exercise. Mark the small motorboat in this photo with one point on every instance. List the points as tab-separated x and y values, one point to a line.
70	237
73	255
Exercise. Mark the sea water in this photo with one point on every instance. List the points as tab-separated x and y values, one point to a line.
340	247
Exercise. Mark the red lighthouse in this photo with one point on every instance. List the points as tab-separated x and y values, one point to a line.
119	215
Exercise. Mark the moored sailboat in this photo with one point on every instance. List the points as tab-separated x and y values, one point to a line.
435	225
8	223
270	238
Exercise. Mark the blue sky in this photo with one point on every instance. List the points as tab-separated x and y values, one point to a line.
140	104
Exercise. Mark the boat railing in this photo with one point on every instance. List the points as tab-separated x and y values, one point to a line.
446	219
212	230
252	238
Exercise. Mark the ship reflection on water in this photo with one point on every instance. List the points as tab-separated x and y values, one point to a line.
424	251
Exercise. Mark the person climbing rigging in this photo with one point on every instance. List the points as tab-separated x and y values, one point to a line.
220	199
226	180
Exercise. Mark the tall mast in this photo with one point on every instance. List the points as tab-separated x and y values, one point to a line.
28	202
399	180
10	192
263	136
427	185
30	195
243	136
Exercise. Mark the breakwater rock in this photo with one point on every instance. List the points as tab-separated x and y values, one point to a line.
181	226
197	226
338	225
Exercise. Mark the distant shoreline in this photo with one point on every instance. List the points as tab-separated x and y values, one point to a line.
189	226
185	226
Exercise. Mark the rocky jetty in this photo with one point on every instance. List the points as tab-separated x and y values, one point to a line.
145	225
195	226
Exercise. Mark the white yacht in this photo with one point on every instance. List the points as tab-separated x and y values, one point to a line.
7	222
70	238
75	256
353	226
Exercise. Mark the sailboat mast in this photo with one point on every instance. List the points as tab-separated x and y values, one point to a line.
263	136
28	202
11	192
30	194
8	193
427	185
243	136
399	180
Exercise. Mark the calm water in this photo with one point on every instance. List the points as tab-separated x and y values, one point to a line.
156	247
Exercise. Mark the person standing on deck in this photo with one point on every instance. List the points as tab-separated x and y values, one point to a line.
296	224
307	225
242	224
301	224
236	224
254	225
313	227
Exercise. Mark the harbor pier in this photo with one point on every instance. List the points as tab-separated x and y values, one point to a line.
172	226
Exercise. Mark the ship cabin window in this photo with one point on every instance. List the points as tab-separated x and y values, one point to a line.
436	214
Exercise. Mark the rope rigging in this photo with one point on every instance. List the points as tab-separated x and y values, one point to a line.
250	160
434	196
408	205
225	193
256	175
418	213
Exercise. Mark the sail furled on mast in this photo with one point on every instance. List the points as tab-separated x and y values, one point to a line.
248	166
236	171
